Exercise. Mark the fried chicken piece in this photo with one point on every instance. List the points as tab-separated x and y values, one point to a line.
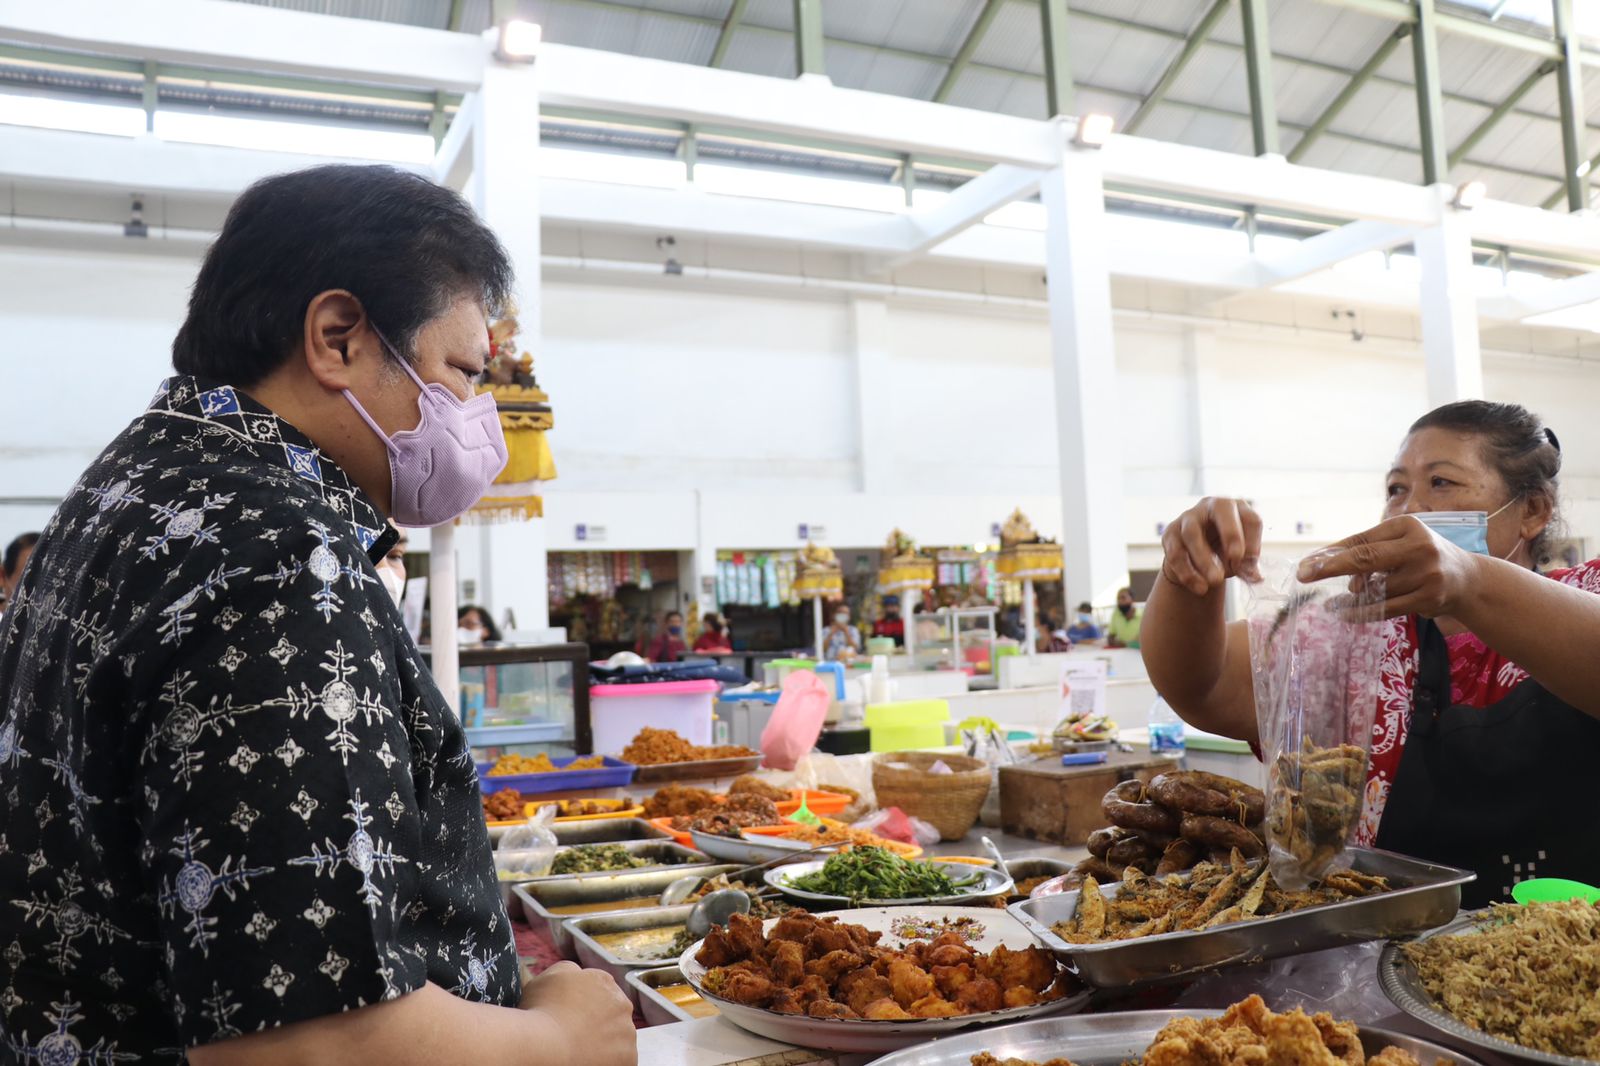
786	1001
718	950
1394	1056
834	964
979	994
748	988
947	955
788	962
796	926
1293	1040
951	979
745	932
827	937
812	989
885	1010
1342	1038
1019	996
1033	968
861	988
935	1006
909	982
983	1058
828	1008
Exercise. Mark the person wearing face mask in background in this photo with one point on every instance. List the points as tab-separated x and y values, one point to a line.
243	698
668	646
843	640
392	567
474	626
1126	621
714	635
1083	627
1488	715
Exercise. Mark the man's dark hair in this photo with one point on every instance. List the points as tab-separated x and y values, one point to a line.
13	556
1086	606
1518	445
404	246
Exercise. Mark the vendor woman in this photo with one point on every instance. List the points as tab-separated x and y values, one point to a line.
1488	717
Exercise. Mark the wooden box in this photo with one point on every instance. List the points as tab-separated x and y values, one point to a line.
1061	804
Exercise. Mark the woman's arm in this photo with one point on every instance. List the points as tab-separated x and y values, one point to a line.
1549	629
1198	662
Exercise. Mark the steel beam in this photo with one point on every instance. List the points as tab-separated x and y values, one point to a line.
1348	93
1406	11
1058	90
969	45
1325	250
151	94
453	21
730	26
1569	83
1258	68
1430	102
966	206
808	38
1561	191
1470	141
1197	37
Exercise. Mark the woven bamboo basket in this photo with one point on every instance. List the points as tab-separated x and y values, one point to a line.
949	802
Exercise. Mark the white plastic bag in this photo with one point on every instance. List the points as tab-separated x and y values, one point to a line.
1314	654
982	738
528	850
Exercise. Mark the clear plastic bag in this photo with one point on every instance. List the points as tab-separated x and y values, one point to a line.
892	823
982	738
527	850
1314	654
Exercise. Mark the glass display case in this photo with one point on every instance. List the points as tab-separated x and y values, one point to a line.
958	638
525	698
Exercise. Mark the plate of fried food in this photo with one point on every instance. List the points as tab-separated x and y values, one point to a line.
1246	1032
1520	981
1146	929
876	979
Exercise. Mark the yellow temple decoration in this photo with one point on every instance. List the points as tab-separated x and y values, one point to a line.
904	567
1025	554
525	416
818	574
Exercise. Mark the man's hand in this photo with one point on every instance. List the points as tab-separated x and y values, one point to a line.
1426	574
588	1008
1210	542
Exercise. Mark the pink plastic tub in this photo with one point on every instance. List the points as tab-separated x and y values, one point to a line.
618	712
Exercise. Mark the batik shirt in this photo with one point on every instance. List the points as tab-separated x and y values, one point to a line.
230	795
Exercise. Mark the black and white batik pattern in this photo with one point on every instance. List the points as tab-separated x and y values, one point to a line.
230	795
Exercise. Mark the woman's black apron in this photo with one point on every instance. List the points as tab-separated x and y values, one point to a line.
1506	790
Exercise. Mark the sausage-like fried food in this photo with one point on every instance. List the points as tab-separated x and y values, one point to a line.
1179	855
827	1008
980	994
1128	806
1100	840
909	982
788	962
1133	852
934	1005
834	965
1212	832
885	1010
1197	792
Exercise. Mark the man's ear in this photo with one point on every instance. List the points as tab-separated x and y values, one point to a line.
336	338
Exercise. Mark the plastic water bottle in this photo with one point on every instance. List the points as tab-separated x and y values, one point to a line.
1166	731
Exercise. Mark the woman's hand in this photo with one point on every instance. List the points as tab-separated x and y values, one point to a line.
1212	541
1426	574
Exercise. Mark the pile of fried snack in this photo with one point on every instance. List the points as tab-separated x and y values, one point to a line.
504	806
650	747
1249	1034
824	968
1172	823
744	806
509	764
1212	894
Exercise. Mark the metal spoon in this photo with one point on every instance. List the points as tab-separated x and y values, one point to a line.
684	887
994	853
715	909
680	890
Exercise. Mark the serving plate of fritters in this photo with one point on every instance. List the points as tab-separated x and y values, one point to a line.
879	978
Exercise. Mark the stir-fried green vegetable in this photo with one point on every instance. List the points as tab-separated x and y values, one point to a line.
591	858
877	873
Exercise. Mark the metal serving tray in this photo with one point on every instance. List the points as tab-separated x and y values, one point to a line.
1403	986
1037	866
605	831
1110	1040
594	955
658	853
655	773
537	897
1424	895
657	1008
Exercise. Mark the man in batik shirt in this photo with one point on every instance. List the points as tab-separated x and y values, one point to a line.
237	821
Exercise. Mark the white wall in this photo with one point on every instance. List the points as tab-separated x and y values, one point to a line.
694	418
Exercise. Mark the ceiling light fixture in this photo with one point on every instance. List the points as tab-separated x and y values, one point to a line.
1094	130
1469	194
519	40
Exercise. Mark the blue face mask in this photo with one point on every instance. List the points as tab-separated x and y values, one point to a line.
1467	530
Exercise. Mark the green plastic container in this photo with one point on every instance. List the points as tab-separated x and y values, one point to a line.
908	725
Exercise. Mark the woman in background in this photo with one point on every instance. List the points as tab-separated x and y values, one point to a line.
713	636
476	627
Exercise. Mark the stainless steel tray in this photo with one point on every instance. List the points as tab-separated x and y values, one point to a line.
750	850
594	955
991	884
657	1008
1425	895
655	773
538	897
606	831
1037	866
1403	986
1110	1040
659	853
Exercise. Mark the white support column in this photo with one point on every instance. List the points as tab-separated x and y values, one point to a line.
442	618
1094	542
874	394
1449	306
1199	349
505	190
